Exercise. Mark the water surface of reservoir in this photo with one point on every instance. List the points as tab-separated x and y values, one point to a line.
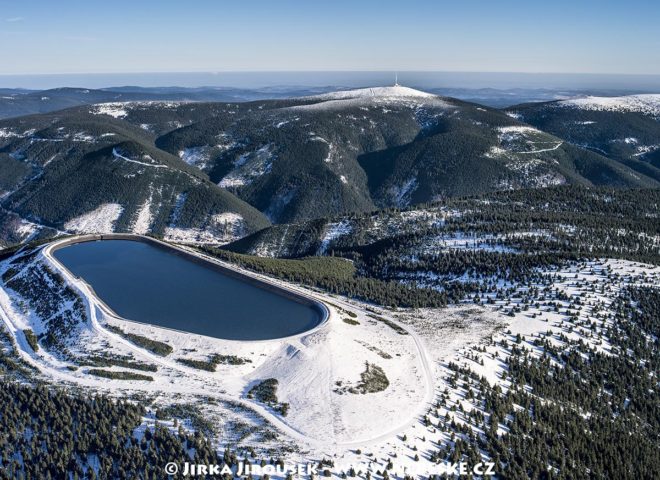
154	284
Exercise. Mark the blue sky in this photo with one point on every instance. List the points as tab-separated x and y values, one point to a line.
583	36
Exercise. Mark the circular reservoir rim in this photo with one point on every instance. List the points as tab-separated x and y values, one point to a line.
250	277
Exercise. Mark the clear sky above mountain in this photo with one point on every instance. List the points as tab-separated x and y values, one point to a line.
585	36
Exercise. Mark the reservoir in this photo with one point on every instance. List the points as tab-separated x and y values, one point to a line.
149	283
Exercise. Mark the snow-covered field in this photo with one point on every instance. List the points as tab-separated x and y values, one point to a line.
474	336
517	129
116	110
122	109
9	133
317	370
522	139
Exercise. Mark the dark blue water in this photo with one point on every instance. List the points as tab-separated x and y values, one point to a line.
150	284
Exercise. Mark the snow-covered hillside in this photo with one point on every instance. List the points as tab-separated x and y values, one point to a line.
100	220
648	104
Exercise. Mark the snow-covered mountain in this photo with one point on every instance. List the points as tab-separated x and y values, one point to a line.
395	91
176	168
357	150
397	373
626	129
85	172
648	104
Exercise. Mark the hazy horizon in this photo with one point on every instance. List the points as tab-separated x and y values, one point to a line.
356	79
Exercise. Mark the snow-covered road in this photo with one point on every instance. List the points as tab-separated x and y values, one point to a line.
544	149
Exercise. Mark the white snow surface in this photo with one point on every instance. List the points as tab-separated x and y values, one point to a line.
517	129
144	218
7	133
197	156
115	109
119	156
400	194
383	92
524	140
648	104
27	229
221	228
248	167
332	232
122	109
100	220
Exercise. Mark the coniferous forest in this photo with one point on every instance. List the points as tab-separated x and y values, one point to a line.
420	221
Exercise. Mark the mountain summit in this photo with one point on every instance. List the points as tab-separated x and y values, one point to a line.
396	91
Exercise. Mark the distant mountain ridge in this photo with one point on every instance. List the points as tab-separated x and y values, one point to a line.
15	102
368	148
18	102
211	172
